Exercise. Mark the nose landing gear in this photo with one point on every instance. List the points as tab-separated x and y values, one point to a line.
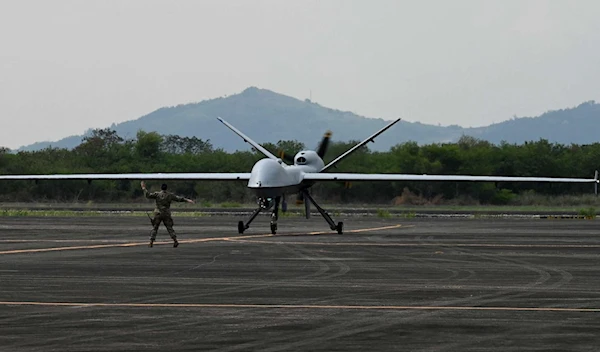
263	205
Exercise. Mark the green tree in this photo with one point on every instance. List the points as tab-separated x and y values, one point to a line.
148	145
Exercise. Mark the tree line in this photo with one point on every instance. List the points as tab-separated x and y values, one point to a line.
104	151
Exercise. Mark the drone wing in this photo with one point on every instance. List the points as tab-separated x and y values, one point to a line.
409	177
135	176
371	138
248	140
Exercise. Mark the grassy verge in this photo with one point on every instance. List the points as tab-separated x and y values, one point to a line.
86	213
585	205
74	207
589	213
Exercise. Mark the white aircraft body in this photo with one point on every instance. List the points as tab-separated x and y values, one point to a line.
272	179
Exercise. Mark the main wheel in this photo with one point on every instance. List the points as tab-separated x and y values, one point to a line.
340	227
273	228
241	227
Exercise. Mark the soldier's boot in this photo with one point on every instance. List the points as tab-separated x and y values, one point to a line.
175	242
152	237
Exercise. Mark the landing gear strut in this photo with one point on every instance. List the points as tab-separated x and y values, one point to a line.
340	225
263	205
266	204
275	216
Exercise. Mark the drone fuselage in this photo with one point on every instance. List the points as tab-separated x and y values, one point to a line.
271	178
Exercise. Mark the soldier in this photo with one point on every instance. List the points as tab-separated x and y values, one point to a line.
162	212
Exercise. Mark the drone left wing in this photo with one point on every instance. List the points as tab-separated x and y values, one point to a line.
409	177
207	176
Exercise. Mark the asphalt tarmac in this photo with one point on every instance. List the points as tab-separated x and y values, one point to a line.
386	284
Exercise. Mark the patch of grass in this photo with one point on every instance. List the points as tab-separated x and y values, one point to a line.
530	198
502	197
84	213
14	212
483	208
190	214
231	205
206	204
383	213
409	215
26	212
589	213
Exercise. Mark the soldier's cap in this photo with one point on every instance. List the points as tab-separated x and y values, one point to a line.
163	187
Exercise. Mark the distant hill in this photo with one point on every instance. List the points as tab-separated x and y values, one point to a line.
266	116
577	125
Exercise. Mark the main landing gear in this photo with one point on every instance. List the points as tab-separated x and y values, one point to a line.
266	204
340	225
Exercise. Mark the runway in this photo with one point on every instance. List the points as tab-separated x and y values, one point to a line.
386	284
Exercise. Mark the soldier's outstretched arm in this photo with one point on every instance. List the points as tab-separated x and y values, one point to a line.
183	199
146	193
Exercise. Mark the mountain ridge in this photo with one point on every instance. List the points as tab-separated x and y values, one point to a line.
267	116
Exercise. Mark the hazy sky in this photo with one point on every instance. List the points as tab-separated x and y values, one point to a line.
66	66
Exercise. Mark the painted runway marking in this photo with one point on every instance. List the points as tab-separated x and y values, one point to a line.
200	240
63	241
54	249
131	244
296	306
364	230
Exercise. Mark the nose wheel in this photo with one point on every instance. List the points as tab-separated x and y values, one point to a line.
263	204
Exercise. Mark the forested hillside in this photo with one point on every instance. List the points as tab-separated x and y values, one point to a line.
104	151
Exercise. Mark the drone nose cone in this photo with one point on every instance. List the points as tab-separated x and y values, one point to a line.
267	173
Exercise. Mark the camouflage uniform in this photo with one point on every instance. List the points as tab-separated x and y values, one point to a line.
162	212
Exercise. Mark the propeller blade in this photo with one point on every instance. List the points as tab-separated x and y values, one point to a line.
286	157
324	144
